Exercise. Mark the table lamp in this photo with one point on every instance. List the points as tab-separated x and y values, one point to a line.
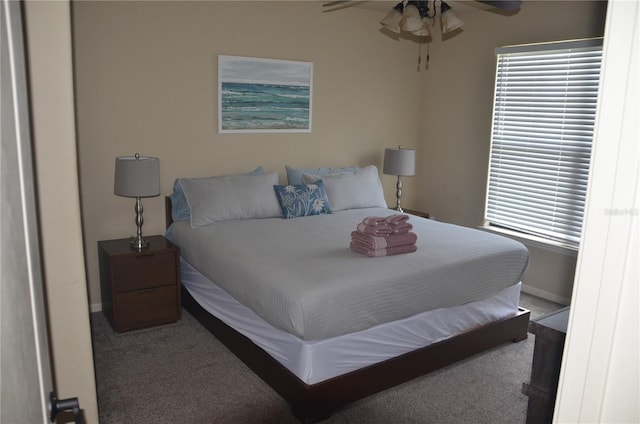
137	176
402	163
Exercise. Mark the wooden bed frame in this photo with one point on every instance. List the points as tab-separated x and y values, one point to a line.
311	403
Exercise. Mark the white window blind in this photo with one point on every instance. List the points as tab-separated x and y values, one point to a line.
543	119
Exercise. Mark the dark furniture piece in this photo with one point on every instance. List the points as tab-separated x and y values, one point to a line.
139	289
311	403
550	331
417	213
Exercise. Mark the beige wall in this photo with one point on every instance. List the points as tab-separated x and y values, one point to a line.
458	100
457	112
48	36
146	76
146	82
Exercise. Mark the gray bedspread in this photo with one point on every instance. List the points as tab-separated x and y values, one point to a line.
301	277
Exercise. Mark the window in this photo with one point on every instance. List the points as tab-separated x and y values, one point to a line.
543	119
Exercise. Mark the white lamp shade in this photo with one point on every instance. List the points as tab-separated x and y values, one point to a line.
393	18
411	19
398	161
450	21
424	30
137	176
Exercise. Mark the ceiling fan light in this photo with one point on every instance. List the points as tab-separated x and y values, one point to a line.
449	21
393	18
411	19
424	30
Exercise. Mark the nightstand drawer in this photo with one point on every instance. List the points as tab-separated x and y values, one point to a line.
145	307
145	270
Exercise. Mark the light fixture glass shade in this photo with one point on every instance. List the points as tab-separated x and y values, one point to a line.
393	18
137	176
424	30
411	19
449	21
399	161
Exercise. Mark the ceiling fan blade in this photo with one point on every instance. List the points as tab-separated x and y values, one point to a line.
334	3
503	4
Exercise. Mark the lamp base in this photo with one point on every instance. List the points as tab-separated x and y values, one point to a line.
138	243
398	194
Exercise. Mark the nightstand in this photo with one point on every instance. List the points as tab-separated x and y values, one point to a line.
139	289
417	213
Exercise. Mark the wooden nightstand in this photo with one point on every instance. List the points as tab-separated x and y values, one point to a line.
139	289
416	213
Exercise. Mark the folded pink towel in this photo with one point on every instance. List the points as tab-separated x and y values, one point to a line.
374	220
402	228
375	253
397	219
377	242
375	230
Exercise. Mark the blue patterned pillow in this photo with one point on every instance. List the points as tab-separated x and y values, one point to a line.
302	199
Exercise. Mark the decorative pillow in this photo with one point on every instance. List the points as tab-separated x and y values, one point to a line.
232	197
294	175
352	190
302	199
179	206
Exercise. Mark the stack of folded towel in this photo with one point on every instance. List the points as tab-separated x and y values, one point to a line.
384	236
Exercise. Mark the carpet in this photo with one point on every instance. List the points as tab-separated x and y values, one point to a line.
180	373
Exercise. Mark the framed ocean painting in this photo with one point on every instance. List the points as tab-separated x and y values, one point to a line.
264	95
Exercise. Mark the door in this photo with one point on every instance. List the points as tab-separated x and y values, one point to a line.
24	357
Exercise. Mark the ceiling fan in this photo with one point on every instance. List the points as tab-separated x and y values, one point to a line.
416	17
508	5
413	16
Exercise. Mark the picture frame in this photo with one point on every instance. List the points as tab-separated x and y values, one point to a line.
259	95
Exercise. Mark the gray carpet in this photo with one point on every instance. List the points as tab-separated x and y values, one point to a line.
179	373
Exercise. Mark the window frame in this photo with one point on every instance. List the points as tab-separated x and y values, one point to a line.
496	217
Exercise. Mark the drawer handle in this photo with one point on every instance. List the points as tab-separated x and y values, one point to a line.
145	255
147	290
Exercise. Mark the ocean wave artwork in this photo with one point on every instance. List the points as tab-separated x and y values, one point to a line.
264	95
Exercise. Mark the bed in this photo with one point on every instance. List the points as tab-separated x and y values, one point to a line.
321	324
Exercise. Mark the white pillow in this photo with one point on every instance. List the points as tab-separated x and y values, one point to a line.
179	206
352	190
294	175
231	197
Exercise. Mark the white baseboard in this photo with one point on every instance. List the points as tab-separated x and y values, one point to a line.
95	307
545	295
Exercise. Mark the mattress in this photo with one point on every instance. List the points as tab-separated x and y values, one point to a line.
300	276
319	360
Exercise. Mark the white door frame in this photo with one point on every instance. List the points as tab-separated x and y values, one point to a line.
26	365
600	377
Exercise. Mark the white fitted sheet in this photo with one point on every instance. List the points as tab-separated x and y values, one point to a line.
313	361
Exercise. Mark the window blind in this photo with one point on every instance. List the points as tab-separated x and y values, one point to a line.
543	121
